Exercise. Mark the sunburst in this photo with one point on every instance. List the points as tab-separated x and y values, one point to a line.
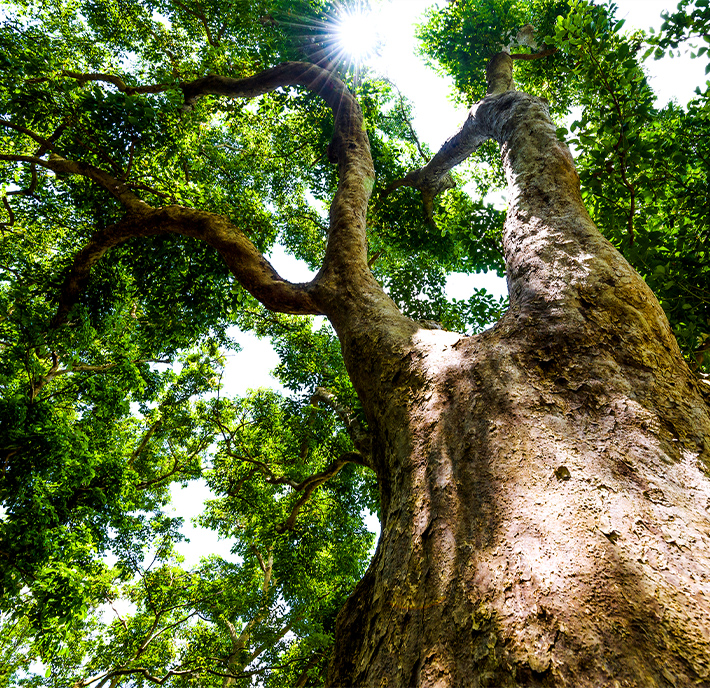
345	39
358	33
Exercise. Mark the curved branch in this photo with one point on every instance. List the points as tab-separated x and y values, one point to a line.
29	191
10	214
346	251
118	189
119	83
434	177
244	260
350	148
309	485
44	143
98	245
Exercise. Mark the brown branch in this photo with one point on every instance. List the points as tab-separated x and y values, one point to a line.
44	143
11	215
203	20
29	191
245	261
42	150
309	486
347	244
434	177
142	671
118	189
303	678
313	77
119	83
269	475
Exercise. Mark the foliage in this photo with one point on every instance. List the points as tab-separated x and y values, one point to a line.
100	415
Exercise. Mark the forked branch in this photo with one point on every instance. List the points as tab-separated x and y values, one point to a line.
309	485
347	241
435	176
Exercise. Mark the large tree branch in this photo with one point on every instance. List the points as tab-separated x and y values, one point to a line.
435	176
346	252
244	260
350	148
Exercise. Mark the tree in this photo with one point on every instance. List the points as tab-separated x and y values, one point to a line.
542	485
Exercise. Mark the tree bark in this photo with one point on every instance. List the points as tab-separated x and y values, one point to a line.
544	484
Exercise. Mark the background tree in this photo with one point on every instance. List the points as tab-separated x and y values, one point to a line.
142	191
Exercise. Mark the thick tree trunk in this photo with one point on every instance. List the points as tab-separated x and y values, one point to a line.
544	485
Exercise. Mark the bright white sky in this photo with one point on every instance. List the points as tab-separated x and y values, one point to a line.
435	119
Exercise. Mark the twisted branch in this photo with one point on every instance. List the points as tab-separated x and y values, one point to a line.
347	242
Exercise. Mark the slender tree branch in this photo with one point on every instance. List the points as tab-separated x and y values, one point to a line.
620	148
200	16
141	671
25	192
360	437
60	165
144	442
11	215
55	371
119	83
309	485
44	143
303	678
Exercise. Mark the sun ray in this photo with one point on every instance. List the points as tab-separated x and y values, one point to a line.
343	40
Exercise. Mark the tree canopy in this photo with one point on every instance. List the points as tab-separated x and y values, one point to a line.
113	347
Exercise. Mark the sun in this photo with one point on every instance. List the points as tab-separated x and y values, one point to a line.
357	34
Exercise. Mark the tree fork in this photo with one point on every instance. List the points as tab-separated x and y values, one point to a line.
544	484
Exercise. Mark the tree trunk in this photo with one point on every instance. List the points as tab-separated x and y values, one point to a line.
544	484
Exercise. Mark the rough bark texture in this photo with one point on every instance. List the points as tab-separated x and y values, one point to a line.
544	484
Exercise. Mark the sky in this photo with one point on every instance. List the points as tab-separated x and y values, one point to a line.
435	119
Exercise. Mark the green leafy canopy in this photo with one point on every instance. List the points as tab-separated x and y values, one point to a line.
100	415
